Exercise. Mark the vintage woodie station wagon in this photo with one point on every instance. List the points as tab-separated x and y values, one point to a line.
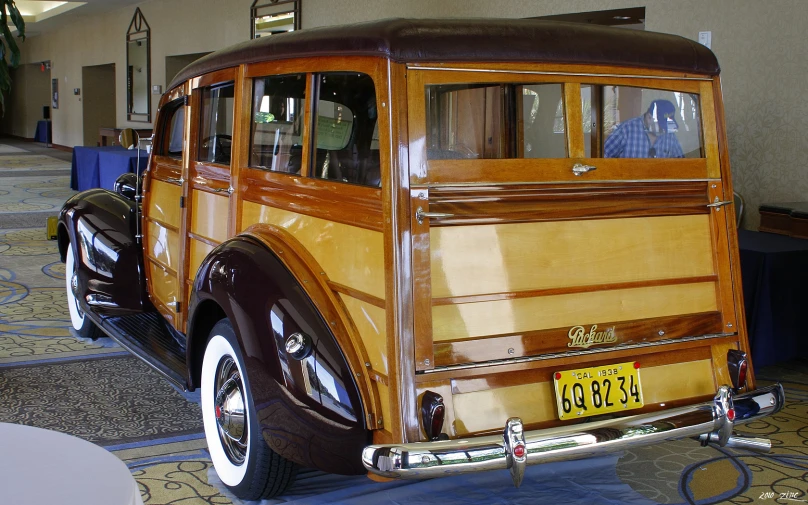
425	247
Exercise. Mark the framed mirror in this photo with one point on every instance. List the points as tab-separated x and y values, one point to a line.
138	69
270	17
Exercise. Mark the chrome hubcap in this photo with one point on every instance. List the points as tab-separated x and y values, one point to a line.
231	417
74	287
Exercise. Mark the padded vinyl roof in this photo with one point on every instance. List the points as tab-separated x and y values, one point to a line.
471	40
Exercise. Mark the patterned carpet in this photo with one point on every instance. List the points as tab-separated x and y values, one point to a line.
95	390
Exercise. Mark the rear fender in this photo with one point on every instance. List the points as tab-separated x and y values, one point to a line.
310	410
102	227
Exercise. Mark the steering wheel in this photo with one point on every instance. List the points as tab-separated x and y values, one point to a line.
221	147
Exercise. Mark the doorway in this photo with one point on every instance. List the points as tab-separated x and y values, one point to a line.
28	101
177	62
98	100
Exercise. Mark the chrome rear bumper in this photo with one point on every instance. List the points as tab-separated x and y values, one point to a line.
515	449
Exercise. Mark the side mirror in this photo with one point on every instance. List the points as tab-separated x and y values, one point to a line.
126	186
129	138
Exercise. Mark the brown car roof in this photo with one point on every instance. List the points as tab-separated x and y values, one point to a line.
467	40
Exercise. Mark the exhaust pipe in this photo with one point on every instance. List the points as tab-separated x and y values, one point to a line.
737	441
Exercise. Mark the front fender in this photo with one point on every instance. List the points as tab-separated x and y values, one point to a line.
310	410
102	227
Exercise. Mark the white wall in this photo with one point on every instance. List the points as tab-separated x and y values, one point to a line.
761	47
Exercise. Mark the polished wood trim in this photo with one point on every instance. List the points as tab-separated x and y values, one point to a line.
530	75
343	203
720	223
570	70
399	277
573	120
513	295
573	361
379	377
546	372
355	293
554	202
160	264
732	233
161	223
209	177
240	147
371	65
422	281
166	161
313	280
709	131
205	240
218	77
534	343
164	171
514	170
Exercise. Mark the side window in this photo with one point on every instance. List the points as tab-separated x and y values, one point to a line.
171	143
277	127
494	121
346	138
630	122
216	130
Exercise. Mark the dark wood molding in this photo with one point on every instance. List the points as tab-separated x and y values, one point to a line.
359	295
554	202
555	341
343	203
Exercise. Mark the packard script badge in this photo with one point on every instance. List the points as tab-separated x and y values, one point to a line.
580	338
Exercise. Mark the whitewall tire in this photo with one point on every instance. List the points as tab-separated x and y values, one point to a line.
78	320
243	461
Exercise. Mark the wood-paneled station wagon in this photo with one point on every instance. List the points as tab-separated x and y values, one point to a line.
426	247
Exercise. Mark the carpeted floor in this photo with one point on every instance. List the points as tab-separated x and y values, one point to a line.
97	391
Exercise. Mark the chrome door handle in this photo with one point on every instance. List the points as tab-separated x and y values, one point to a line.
173	180
420	215
717	204
578	169
222	190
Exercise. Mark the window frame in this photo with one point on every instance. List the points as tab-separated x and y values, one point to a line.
424	172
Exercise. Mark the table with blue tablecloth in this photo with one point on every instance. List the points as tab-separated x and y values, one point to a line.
775	273
111	164
43	131
98	167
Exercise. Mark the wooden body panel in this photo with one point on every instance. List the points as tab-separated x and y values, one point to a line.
528	251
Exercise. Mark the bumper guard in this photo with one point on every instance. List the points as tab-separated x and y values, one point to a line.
712	421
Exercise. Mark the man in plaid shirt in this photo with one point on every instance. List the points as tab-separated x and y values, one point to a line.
646	136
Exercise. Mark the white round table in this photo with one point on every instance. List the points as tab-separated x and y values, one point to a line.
44	467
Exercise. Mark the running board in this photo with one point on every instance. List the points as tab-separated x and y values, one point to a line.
147	337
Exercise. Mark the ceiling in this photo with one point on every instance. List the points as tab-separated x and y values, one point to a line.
43	16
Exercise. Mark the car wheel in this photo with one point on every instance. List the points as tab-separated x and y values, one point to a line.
243	460
82	324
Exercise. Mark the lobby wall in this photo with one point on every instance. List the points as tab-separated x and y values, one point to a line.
759	46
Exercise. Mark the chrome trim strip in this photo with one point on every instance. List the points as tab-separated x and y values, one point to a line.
422	460
546	183
573	74
528	359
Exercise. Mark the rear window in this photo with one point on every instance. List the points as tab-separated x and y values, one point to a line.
632	122
494	121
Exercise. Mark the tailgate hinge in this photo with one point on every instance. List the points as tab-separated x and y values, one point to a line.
717	204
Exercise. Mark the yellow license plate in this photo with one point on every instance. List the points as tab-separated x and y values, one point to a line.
598	390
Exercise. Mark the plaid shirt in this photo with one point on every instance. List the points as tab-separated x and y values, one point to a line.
630	140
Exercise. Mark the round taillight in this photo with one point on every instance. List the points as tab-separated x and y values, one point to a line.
519	451
731	414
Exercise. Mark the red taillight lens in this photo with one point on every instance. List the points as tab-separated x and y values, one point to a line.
731	414
432	413
742	373
519	451
738	365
